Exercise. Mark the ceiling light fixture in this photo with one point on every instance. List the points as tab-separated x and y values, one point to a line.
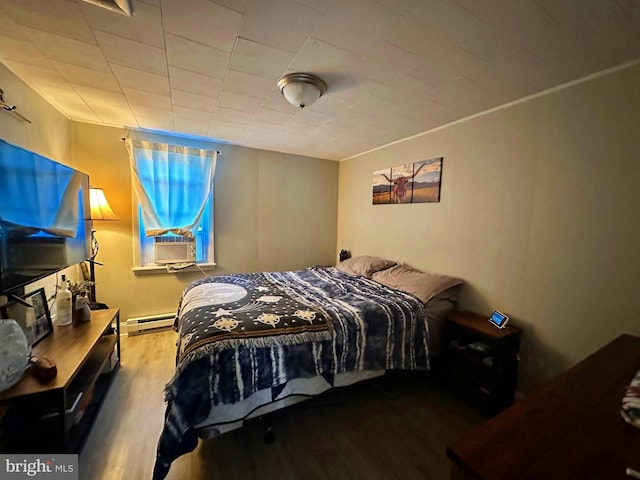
120	6
301	89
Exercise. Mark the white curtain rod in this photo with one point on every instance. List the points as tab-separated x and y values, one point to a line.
124	139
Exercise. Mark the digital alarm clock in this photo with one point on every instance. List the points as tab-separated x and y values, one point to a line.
498	319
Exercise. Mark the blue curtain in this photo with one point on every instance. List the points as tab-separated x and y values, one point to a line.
173	184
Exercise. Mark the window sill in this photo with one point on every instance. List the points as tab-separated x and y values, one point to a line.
162	269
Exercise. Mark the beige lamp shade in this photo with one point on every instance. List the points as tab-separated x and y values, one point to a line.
100	209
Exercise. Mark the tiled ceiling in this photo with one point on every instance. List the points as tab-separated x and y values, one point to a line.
394	68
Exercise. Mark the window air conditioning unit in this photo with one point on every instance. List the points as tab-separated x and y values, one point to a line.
174	250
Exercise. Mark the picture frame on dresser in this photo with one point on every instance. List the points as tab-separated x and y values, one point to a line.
35	319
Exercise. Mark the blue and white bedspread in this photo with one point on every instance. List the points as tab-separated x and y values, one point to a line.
371	327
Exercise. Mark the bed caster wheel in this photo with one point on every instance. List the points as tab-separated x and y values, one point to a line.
269	437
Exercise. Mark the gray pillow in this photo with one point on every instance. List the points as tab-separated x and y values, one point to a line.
364	265
423	285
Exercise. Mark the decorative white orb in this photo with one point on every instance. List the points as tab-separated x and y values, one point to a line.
14	353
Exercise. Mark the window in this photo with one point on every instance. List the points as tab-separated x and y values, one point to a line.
203	236
174	188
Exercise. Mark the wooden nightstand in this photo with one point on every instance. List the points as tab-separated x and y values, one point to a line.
481	360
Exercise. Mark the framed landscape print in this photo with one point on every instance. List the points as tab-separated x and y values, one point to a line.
426	181
417	182
381	193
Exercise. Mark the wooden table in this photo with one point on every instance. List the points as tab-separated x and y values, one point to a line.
569	429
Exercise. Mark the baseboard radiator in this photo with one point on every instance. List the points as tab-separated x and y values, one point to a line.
138	325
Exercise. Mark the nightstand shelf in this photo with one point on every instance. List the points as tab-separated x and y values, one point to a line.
481	360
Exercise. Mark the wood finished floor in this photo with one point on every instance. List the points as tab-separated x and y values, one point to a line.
396	428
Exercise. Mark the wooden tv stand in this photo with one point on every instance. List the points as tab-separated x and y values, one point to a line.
55	417
570	428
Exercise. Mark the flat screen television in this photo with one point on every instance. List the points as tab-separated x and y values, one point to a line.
45	216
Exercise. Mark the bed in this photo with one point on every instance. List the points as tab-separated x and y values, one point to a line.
252	343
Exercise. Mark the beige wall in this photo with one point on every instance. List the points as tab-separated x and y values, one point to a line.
273	211
48	134
539	215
